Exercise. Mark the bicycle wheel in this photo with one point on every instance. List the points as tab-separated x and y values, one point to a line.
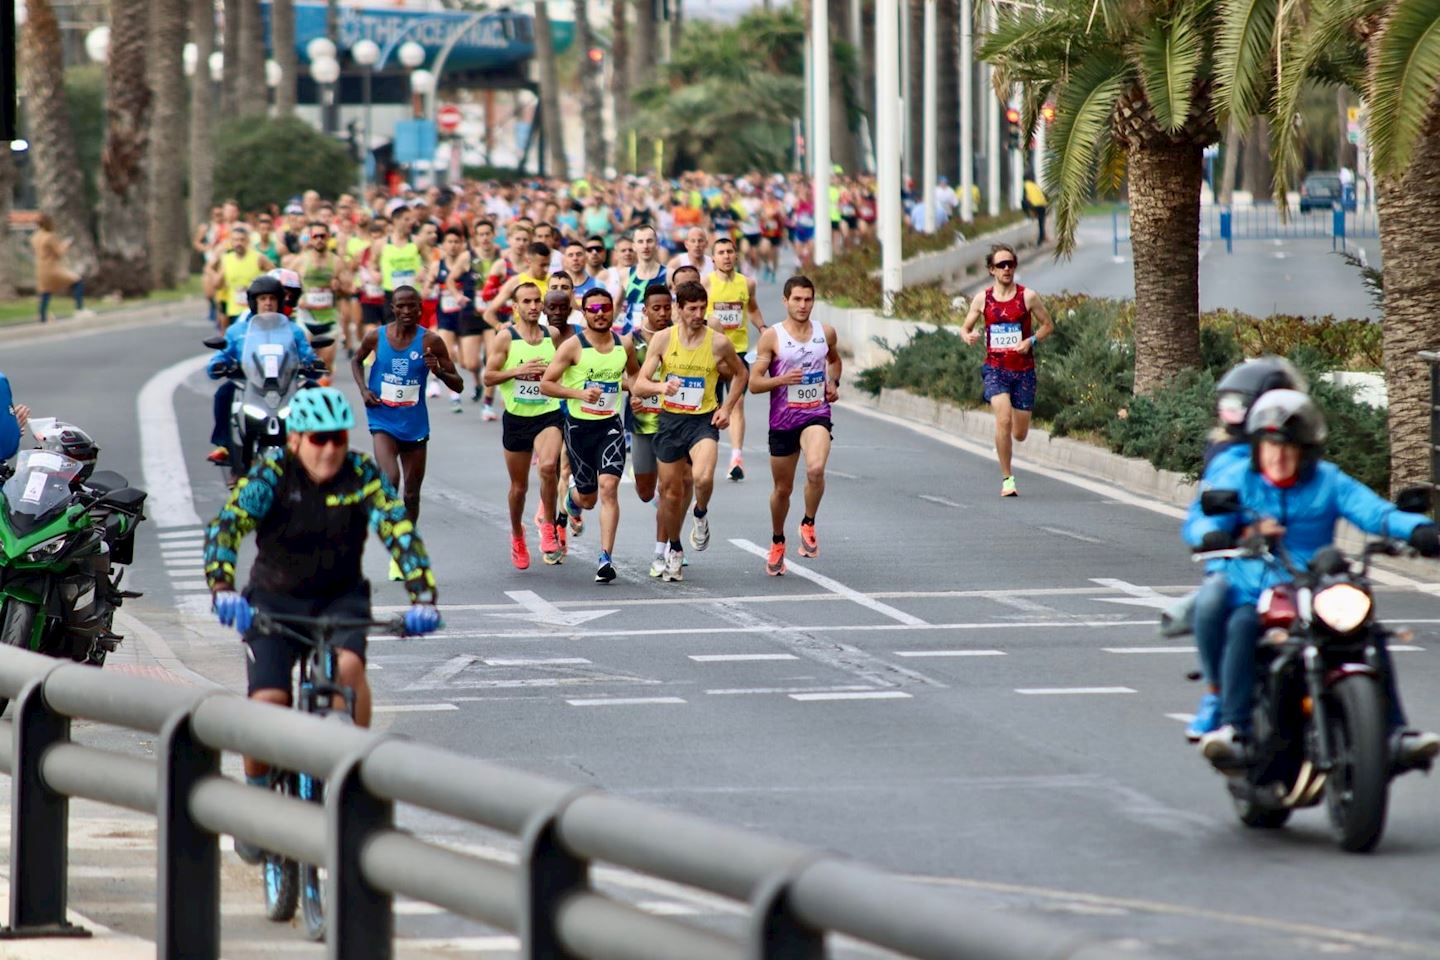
312	877
281	875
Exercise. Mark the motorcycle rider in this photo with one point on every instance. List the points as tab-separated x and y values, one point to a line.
1298	498
310	509
1227	454
13	418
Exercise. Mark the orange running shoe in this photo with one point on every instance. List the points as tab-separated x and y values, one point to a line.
775	563
563	536
809	546
550	545
519	553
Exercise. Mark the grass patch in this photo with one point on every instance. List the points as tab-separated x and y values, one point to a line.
27	309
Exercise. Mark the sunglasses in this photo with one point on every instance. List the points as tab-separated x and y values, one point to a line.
599	308
1004	264
594	249
328	437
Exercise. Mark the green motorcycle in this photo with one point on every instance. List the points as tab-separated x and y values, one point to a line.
65	536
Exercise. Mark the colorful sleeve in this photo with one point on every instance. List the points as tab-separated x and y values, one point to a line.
249	502
389	520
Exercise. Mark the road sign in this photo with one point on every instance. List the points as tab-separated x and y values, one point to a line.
448	118
414	141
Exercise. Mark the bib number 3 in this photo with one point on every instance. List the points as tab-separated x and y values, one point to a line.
399	394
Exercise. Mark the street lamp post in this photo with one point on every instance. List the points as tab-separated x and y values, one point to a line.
366	53
273	75
324	63
97	44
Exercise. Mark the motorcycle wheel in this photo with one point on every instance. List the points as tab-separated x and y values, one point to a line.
17	624
1257	817
1358	791
281	875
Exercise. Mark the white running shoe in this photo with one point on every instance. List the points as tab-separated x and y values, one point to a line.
674	566
657	566
700	533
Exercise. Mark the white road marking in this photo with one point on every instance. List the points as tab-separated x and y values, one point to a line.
942	501
622	701
867	695
162	456
739	657
1072	535
173	534
949	653
444	673
743	691
540	610
1023	604
1066	691
171	551
834	586
414	707
1189	649
1138	596
1406	648
534	661
190	585
814	628
1182	717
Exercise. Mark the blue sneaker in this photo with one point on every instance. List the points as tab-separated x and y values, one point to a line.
1207	718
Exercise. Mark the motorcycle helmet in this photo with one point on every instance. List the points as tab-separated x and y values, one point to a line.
70	440
1290	417
1238	390
319	409
264	285
290	281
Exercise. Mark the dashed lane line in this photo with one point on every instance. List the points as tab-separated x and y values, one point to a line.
861	695
624	701
747	691
1189	649
949	653
740	657
1069	691
414	707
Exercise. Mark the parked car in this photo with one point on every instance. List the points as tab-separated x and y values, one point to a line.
1320	191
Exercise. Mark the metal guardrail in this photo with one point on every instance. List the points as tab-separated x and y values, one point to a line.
1263	222
797	896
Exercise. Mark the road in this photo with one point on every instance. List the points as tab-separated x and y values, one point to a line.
965	690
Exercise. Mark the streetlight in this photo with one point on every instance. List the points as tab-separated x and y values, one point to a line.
216	63
273	74
325	71
190	56
320	49
97	44
366	53
422	83
411	54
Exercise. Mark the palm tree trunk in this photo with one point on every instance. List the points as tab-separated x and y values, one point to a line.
677	25
646	52
282	29
124	214
168	231
549	93
250	81
230	50
1258	171
842	135
1409	236
7	187
947	19
591	96
620	81
1165	182
202	108
1230	162
59	184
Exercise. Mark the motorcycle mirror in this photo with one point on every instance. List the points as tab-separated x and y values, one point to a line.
1215	503
215	343
320	343
1414	500
1329	562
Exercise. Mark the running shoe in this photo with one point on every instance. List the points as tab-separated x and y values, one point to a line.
674	566
737	469
605	571
455	404
219	455
395	572
1206	719
488	413
809	546
700	533
550	547
477	395
433	390
563	536
519	553
657	566
1007	488
577	522
775	563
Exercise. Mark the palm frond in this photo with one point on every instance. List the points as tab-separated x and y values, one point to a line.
1169	54
1082	124
1404	71
1111	168
1244	57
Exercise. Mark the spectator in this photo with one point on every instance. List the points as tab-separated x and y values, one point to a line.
51	274
1035	203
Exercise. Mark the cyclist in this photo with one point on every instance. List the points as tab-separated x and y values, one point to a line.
309	510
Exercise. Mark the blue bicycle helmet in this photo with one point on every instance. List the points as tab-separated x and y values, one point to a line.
318	410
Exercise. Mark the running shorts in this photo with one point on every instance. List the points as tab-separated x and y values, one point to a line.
786	443
595	447
518	434
275	656
679	432
1019	384
642	453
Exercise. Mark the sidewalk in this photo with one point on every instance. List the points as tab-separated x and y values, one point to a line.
137	315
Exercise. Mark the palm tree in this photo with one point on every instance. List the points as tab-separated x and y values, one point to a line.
549	91
282	35
620	80
59	182
591	95
202	109
124	190
230	51
169	232
1132	88
7	187
250	96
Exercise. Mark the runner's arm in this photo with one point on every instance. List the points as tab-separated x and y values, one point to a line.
495	358
357	365
1037	308
492	309
444	367
727	359
247	505
760	379
645	384
564	358
834	367
754	306
393	525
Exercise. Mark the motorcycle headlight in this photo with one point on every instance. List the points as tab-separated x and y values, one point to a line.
284	412
254	412
46	548
1342	607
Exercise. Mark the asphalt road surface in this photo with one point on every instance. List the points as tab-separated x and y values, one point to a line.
962	689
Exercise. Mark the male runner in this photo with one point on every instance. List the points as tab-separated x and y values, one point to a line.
588	373
659	307
1009	369
531	424
322	274
731	304
394	391
694	253
536	273
798	363
647	270
692	358
595	266
401	260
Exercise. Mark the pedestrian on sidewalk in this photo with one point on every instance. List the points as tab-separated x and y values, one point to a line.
52	276
1035	204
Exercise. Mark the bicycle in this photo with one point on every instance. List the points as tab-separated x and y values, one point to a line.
288	884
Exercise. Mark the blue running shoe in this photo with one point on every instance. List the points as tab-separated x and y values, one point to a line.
1207	718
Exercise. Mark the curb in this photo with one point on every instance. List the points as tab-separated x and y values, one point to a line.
111	319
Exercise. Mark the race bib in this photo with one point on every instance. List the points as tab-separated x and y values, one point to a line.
528	391
688	397
449	302
1004	336
319	299
373	291
609	400
399	394
650	404
808	393
402	278
730	315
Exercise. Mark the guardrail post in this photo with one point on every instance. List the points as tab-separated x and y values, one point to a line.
188	896
549	873
775	932
1337	230
360	920
1227	229
39	825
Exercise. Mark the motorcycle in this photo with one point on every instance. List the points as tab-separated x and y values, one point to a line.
268	376
66	535
1319	722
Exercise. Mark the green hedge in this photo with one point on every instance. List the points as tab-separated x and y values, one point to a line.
267	160
1086	369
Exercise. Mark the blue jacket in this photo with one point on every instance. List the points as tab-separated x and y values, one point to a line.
235	342
9	426
1225	464
1308	511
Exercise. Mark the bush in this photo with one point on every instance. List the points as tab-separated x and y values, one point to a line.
261	161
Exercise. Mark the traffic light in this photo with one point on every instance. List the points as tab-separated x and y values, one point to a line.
1047	112
596	55
1012	128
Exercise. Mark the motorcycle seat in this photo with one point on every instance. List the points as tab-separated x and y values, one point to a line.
106	480
129	499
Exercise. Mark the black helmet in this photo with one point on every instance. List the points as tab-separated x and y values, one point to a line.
70	440
1290	417
264	285
1238	390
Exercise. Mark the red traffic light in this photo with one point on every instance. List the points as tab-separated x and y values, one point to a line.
596	54
1012	115
1048	112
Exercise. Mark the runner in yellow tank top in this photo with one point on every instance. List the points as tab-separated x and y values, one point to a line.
536	273
732	308
690	360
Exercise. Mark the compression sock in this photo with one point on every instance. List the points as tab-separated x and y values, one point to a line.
778	538
675	545
700	512
807	521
